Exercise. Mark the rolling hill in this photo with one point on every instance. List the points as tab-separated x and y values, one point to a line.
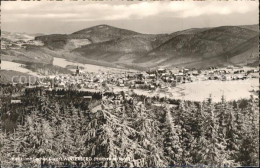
105	44
16	36
189	48
122	50
254	27
96	34
30	54
202	47
102	33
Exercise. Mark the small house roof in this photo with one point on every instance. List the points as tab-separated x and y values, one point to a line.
16	101
87	97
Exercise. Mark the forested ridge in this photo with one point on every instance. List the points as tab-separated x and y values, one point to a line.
61	124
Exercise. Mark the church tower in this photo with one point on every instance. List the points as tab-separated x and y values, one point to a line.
77	70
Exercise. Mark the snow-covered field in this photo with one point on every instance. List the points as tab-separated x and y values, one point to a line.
87	67
200	91
8	65
232	90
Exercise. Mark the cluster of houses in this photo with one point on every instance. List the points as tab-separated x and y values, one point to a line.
149	80
160	78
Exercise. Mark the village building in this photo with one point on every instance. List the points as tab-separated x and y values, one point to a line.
161	70
16	101
87	97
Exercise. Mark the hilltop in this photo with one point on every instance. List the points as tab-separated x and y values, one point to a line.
96	34
102	33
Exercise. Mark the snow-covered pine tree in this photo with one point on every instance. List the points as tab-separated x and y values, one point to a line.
248	150
44	141
172	144
213	152
76	132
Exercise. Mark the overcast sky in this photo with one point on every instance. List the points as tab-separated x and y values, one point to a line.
145	17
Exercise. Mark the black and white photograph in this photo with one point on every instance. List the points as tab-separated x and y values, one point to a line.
129	83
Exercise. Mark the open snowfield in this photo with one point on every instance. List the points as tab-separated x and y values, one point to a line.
232	90
201	90
8	65
87	67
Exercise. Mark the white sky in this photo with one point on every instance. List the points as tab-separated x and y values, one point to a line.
146	17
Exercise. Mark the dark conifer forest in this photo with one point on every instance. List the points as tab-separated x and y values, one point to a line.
63	124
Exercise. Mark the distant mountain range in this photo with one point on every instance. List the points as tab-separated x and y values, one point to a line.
197	47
